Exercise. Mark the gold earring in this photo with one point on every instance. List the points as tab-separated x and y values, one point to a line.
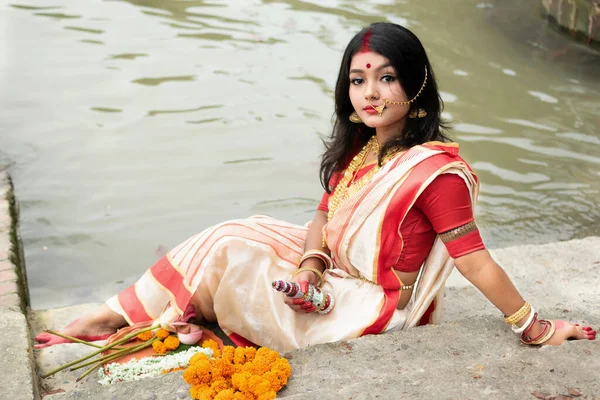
417	113
355	118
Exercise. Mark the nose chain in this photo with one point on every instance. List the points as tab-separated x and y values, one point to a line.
380	108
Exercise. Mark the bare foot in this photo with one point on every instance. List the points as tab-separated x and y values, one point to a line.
568	331
98	325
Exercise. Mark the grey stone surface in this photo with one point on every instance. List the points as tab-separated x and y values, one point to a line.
472	355
17	379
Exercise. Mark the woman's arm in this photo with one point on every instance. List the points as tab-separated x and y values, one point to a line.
486	275
314	236
447	204
313	241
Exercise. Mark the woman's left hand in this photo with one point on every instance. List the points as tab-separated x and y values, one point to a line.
568	331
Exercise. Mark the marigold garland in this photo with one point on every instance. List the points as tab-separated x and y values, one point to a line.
243	373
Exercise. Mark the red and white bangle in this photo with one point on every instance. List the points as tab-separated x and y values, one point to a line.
320	255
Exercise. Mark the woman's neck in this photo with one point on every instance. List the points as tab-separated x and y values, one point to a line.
386	133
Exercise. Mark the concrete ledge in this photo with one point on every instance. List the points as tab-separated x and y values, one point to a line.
15	343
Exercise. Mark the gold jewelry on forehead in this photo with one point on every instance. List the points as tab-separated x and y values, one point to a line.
400	103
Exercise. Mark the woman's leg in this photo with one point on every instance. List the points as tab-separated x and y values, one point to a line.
96	325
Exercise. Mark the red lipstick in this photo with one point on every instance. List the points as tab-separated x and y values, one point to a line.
370	110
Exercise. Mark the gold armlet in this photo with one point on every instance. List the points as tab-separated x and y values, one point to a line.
458	232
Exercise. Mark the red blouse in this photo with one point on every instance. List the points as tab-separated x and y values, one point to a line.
443	206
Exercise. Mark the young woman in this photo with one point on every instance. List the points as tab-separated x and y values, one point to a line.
398	206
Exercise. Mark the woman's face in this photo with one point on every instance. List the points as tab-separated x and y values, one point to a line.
372	78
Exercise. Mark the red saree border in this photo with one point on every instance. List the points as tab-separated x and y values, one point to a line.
132	306
399	206
167	275
401	202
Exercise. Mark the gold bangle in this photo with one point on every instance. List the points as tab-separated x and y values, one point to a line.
311	269
519	315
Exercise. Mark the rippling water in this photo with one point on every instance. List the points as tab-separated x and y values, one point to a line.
130	125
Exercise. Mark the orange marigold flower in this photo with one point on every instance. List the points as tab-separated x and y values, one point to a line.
274	380
227	394
239	356
282	365
256	386
171	342
270	395
201	392
272	356
228	353
197	374
219	385
214	346
240	381
250	353
244	396
263	351
263	387
260	366
203	369
225	369
159	347
145	336
196	391
190	376
197	357
162	333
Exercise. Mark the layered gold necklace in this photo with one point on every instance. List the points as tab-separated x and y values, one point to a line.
347	185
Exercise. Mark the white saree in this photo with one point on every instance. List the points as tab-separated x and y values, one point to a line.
226	271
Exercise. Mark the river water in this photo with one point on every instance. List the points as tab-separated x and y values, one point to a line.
128	126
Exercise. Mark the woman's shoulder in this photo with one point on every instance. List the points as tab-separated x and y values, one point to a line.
447	147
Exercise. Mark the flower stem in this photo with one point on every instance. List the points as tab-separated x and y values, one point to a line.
110	346
122	352
114	356
75	340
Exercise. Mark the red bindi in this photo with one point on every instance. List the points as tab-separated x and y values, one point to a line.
368	66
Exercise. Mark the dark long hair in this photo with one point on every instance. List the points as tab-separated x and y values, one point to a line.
409	59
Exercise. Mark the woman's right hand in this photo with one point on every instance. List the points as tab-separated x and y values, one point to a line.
304	278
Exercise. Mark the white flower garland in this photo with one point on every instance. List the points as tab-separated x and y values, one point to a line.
147	367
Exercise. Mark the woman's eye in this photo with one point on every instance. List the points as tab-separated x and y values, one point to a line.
356	81
388	78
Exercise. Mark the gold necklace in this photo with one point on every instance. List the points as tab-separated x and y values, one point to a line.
341	191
